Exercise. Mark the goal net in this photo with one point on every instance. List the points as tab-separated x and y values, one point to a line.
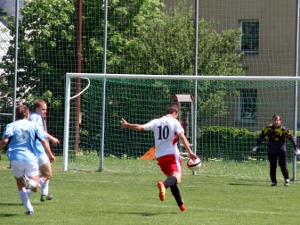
230	113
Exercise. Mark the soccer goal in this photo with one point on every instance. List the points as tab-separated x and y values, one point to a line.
230	112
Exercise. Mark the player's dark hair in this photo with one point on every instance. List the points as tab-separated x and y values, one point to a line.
38	103
275	116
22	112
172	108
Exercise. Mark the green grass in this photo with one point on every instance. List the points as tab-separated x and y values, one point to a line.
126	193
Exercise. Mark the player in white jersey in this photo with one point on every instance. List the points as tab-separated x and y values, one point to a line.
44	158
167	130
20	136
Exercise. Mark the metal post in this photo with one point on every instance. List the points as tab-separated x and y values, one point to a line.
66	125
78	68
296	87
16	58
104	86
196	74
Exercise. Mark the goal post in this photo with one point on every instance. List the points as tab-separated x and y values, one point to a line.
226	104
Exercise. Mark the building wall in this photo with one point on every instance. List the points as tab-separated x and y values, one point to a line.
276	55
277	20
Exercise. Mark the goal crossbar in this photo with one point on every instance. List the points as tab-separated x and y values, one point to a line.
183	77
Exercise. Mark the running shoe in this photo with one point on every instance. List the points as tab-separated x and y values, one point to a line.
162	190
286	183
46	197
182	207
25	180
29	213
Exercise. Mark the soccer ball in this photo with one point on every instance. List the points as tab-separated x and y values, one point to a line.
193	165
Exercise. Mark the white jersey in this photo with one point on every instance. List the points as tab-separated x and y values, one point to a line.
166	130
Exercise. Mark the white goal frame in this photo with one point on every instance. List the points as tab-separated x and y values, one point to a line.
165	77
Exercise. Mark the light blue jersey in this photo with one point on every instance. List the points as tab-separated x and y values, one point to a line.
22	144
38	120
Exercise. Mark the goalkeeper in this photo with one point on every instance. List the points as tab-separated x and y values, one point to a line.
166	130
277	148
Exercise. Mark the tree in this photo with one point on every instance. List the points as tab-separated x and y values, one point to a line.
45	54
46	50
166	46
143	37
124	19
47	40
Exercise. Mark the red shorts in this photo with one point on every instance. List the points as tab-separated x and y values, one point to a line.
170	163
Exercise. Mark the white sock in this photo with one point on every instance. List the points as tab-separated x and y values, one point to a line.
45	188
29	191
25	200
41	182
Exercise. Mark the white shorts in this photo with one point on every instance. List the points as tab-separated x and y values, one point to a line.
30	169
43	159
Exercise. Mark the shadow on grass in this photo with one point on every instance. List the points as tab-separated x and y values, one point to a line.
140	213
8	215
9	204
243	184
2	205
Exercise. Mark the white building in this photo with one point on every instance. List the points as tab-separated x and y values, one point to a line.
9	7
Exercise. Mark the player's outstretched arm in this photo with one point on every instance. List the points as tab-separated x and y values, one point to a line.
186	144
54	140
125	124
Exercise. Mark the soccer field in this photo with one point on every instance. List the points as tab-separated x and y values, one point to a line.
131	197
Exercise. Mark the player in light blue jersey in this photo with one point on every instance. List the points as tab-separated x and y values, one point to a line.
20	137
45	158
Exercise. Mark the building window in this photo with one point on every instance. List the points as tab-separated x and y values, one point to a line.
250	36
247	105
